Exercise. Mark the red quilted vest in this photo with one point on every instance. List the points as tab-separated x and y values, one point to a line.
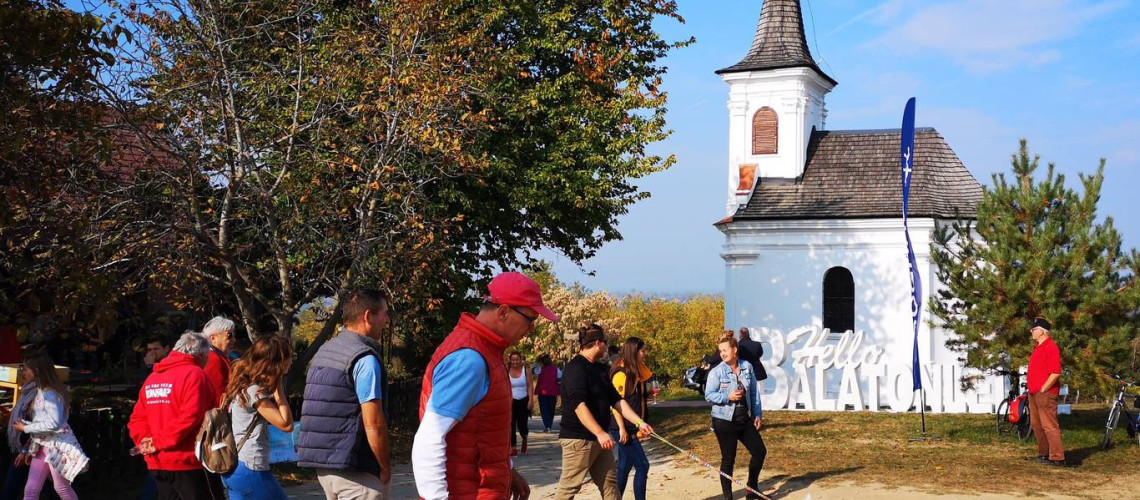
478	448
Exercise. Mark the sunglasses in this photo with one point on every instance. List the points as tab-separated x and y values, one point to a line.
529	319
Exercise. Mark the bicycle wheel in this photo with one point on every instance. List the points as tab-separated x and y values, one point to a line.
1024	430
1113	417
1001	418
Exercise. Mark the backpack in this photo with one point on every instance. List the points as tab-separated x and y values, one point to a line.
1016	408
214	446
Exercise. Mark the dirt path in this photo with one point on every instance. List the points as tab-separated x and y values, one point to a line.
673	476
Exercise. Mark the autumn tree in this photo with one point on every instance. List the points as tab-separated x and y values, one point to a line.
1037	249
678	331
52	148
297	148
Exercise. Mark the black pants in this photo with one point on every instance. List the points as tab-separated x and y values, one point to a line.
188	485
519	416
740	429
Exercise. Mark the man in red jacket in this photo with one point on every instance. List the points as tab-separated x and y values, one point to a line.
165	421
1042	380
461	449
220	332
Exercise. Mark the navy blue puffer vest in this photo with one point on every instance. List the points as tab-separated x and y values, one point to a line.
332	431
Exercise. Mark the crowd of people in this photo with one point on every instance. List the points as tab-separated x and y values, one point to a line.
474	408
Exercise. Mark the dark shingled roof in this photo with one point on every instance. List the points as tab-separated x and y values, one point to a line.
857	174
779	41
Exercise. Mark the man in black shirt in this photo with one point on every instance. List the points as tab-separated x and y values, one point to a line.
750	351
587	398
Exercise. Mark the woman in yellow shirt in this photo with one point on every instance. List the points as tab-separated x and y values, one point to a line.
630	375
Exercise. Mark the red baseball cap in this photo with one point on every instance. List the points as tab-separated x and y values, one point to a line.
516	289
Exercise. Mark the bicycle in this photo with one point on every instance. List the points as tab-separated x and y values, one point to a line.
1016	423
1118	407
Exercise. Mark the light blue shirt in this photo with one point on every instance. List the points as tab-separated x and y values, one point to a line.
458	383
366	373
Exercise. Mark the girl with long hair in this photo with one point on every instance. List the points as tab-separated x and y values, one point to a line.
735	394
256	397
52	447
522	400
630	377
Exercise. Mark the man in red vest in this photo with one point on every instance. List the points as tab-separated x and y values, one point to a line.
462	448
1043	383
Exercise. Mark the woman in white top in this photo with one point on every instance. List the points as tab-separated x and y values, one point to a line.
256	398
52	448
522	394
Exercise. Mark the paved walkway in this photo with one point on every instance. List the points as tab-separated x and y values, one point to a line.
541	467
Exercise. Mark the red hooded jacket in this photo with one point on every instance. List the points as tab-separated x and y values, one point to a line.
172	404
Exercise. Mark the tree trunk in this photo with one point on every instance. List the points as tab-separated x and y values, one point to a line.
300	367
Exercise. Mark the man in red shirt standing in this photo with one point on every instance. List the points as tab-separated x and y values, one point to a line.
1042	381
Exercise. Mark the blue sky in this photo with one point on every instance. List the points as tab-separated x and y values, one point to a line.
1063	74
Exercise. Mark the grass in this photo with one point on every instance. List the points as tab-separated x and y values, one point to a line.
864	447
675	392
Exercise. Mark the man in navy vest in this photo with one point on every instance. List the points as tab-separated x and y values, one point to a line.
344	432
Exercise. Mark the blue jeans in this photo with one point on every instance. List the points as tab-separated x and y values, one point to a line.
631	456
546	407
246	484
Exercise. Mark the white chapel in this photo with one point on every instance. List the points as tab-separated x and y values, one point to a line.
814	249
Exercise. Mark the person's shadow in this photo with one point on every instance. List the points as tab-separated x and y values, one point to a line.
782	485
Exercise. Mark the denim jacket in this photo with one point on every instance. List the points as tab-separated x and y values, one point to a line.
721	382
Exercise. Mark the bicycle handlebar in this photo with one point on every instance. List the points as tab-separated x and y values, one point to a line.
1124	382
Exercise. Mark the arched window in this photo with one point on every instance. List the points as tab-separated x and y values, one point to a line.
838	300
764	131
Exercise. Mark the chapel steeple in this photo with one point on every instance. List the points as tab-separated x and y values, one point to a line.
775	101
779	41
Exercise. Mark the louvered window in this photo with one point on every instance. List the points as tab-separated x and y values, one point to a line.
764	131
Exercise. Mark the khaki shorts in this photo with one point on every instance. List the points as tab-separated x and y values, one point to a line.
353	485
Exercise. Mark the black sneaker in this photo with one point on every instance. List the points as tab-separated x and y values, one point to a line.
1057	463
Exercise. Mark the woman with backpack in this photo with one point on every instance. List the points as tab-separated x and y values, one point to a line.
630	375
256	397
52	447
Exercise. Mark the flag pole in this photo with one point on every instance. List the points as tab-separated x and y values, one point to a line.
906	157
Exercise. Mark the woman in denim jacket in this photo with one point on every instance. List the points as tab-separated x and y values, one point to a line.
732	389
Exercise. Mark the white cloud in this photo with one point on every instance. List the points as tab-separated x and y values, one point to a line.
986	36
883	13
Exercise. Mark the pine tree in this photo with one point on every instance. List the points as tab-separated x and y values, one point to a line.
1037	250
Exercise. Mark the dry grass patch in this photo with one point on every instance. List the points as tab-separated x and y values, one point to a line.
866	448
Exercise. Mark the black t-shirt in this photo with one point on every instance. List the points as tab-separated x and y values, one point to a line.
585	382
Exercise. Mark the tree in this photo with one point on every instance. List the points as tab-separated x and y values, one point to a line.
297	148
52	148
1037	250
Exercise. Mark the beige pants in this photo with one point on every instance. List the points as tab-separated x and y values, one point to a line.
353	485
580	456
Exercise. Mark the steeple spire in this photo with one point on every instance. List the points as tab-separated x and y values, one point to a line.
779	41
